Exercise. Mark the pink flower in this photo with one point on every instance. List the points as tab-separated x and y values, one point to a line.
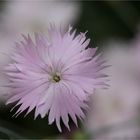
55	75
117	108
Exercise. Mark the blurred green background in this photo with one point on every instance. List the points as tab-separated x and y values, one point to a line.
109	19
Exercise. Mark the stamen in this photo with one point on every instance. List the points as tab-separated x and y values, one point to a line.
56	78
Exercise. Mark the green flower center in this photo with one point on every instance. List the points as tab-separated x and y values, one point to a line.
56	78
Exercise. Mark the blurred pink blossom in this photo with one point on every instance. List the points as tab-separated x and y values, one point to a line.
119	104
32	15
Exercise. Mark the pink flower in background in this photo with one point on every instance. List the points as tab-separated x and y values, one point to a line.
114	111
55	75
35	15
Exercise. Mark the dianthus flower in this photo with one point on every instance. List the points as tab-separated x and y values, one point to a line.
54	75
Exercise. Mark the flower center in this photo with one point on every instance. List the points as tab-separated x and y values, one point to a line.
56	78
